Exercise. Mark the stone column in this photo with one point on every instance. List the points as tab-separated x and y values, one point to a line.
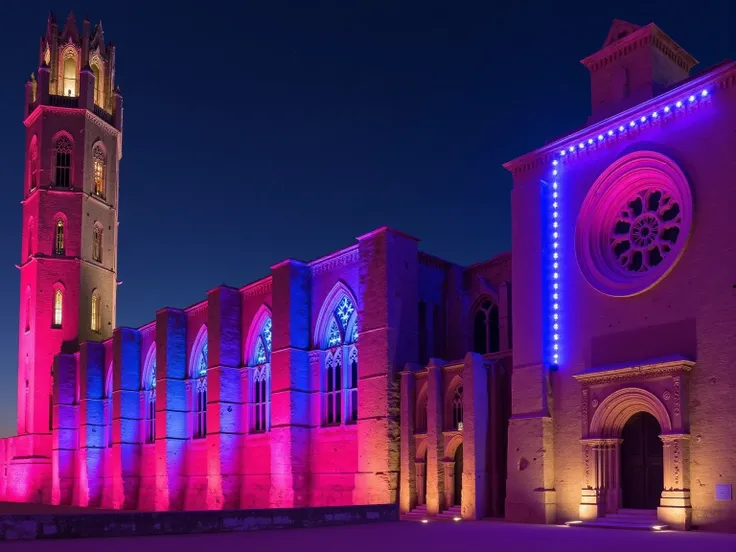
475	438
64	432
290	385
504	316
675	508
126	417
172	414
224	400
387	318
601	488
91	423
408	490
449	469
530	482
435	442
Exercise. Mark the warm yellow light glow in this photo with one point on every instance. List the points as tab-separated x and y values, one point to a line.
95	319
58	303
425	521
99	176
456	518
658	527
573	522
59	237
70	76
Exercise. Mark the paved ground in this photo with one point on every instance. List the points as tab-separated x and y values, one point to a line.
406	536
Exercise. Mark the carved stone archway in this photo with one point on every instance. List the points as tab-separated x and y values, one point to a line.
610	397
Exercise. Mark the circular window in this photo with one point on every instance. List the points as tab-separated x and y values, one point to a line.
634	224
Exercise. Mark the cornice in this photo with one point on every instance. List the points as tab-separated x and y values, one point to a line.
67	111
722	77
340	259
196	308
651	369
258	289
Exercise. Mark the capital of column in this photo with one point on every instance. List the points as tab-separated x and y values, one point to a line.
670	437
597	442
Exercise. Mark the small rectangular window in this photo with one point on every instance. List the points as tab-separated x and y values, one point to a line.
63	169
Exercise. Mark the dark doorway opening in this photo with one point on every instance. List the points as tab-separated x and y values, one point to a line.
642	475
459	475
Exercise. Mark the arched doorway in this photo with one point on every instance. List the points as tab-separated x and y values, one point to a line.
424	493
458	475
642	477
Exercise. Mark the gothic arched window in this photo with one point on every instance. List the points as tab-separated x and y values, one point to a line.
98	85
261	380
340	379
420	422
30	236
33	166
97	243
457	408
59	237
58	307
28	309
96	313
108	405
98	156
149	395
63	162
199	375
70	74
485	328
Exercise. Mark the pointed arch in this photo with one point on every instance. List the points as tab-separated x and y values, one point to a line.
33	164
62	159
99	168
420	419
327	315
148	375
262	316
57	316
454	404
149	394
485	317
198	356
95	322
198	365
108	405
29	237
69	66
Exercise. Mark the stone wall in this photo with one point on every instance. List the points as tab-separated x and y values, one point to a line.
97	525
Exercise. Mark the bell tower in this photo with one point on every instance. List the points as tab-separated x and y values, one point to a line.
73	119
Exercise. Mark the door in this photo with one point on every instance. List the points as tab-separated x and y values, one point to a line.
459	475
642	475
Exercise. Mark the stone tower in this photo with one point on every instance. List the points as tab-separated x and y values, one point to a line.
73	120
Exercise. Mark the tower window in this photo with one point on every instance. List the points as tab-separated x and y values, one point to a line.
96	316
98	85
58	307
97	243
59	242
70	75
33	166
98	154
28	310
261	380
63	162
149	389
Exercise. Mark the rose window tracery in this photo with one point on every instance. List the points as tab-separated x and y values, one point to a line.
634	224
646	230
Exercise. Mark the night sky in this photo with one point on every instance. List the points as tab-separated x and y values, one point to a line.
278	129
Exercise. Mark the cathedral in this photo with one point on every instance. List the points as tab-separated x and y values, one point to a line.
592	385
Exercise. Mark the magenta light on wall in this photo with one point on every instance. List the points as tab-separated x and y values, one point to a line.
554	259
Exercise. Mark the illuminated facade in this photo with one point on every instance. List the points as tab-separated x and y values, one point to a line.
623	298
379	373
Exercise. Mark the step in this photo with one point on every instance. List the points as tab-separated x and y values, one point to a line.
643	520
603	524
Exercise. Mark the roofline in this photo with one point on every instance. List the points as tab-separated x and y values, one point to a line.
650	29
714	74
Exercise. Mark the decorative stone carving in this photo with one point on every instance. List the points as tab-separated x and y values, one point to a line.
595	403
666	396
634	224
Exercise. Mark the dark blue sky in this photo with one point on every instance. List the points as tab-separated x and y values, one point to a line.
284	129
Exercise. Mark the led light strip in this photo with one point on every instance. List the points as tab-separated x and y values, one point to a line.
555	293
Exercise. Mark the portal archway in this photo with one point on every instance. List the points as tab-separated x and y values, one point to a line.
458	494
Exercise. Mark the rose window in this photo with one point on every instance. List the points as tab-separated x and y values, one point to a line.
634	224
646	230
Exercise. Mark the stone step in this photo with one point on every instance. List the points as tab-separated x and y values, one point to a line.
604	523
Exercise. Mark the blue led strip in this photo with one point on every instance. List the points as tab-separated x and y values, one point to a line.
555	235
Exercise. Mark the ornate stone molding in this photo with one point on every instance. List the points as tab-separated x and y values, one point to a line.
337	260
671	437
258	289
633	372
